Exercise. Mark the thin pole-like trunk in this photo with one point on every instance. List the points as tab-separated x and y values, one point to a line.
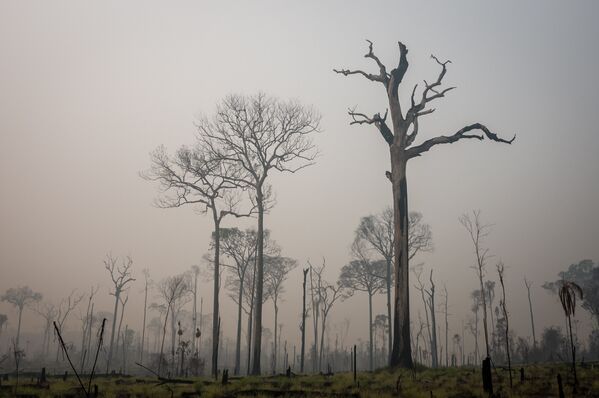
401	354
118	334
532	320
195	310
446	332
315	313
370	341
236	370
303	324
215	308
143	329
89	332
168	307
251	319
275	343
19	329
117	293
257	348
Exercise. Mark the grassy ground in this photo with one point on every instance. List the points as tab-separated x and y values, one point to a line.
540	381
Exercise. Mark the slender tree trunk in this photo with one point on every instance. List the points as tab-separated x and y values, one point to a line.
215	308
401	354
573	351
236	370
532	320
110	347
143	329
195	311
315	313
370	340
274	354
19	329
434	348
303	324
483	296
257	348
251	319
89	332
118	333
446	332
168	307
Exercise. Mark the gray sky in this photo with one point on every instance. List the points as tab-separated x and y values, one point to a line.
87	90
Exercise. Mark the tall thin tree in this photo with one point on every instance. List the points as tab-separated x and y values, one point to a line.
261	135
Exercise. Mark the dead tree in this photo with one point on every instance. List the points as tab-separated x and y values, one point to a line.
20	297
425	303
315	284
446	328
303	327
328	294
377	231
431	308
142	346
170	290
120	276
477	231
279	270
501	272
48	312
528	284
401	138
85	323
194	177
65	307
194	315
363	274
118	332
240	247
261	135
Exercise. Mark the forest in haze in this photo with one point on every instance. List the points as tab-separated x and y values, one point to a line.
332	218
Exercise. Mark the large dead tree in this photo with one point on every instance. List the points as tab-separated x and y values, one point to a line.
193	177
401	137
260	136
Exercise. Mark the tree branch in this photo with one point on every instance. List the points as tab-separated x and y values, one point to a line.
460	134
377	120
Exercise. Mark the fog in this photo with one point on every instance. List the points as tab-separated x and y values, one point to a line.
88	90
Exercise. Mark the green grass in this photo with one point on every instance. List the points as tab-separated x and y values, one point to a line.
541	381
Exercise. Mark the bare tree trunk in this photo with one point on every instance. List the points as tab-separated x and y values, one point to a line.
257	347
532	320
401	354
315	313
143	329
168	307
446	331
118	333
215	308
434	348
274	354
303	324
195	310
236	370
117	293
370	341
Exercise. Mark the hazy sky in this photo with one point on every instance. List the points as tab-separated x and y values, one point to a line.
87	90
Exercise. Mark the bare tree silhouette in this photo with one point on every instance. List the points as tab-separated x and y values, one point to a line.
401	138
